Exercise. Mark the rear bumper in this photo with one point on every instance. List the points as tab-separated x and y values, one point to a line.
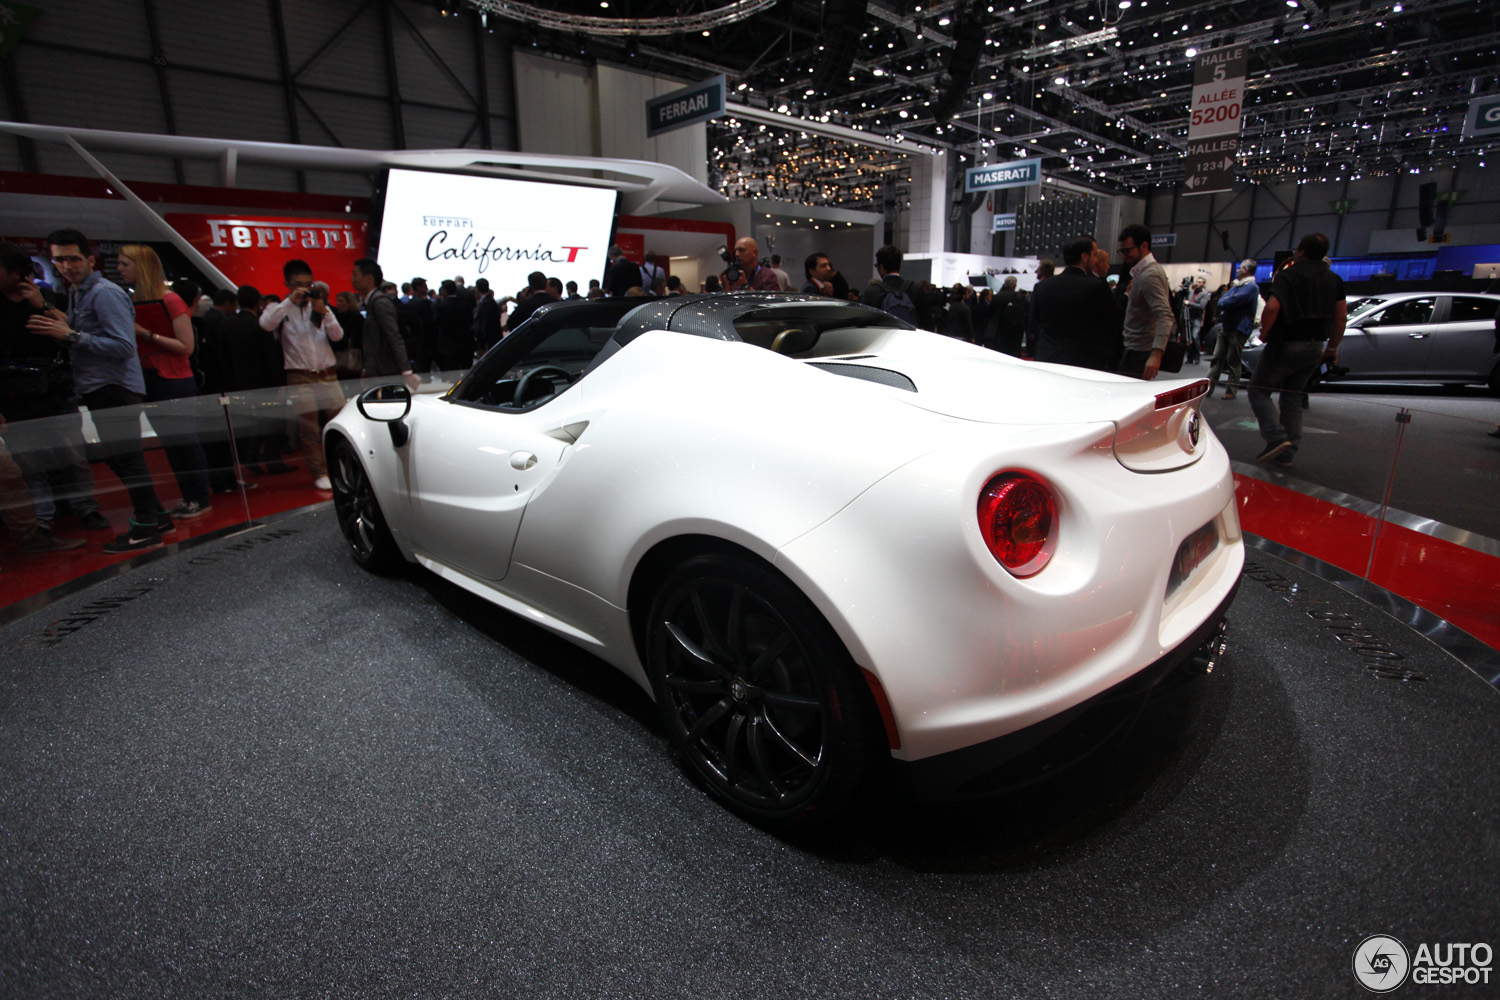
1048	747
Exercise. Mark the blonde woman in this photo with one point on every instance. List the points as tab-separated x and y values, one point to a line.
164	340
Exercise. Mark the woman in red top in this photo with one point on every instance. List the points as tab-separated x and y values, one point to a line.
164	339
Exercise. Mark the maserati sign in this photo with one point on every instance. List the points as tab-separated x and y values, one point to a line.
1017	173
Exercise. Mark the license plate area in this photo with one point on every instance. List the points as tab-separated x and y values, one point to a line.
1195	548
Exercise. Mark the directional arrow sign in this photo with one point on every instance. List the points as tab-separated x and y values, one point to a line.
1210	164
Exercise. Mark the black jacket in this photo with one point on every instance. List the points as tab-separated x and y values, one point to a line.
1073	315
384	347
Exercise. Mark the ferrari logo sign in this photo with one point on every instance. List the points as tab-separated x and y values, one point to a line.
688	106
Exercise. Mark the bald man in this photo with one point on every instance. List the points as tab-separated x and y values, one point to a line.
746	273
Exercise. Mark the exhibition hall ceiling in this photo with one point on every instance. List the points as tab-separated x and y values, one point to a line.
1099	89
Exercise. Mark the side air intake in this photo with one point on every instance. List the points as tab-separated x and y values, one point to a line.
880	376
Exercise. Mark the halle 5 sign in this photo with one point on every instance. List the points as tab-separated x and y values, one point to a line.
252	249
1214	122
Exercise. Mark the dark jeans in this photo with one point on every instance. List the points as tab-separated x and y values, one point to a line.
117	417
176	425
49	448
1134	362
1284	366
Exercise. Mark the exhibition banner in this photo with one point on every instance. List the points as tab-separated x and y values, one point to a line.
1005	223
1214	119
250	249
444	225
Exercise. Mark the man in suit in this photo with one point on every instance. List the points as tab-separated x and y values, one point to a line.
536	281
1073	312
486	316
384	348
619	277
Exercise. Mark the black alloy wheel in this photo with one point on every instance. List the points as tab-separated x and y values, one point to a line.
758	695
359	516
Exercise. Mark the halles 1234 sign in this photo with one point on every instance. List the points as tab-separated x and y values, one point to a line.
1214	119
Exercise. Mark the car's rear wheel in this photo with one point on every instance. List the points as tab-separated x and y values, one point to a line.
358	512
757	693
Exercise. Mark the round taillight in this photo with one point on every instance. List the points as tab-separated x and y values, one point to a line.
1018	519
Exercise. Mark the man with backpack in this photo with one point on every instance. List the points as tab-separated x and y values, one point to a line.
892	293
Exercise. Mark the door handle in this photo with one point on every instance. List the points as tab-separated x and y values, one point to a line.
522	460
1416	336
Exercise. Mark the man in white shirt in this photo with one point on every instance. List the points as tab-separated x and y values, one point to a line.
304	325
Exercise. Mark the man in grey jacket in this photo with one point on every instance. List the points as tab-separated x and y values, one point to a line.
1148	311
384	348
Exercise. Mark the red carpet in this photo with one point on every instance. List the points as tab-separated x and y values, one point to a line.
22	576
1453	582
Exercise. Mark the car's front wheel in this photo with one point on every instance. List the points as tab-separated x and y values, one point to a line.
358	512
757	693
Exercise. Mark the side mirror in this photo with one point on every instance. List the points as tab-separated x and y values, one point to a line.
387	404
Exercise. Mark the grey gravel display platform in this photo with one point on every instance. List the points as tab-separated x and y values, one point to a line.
253	770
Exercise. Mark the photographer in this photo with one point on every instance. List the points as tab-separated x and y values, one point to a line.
304	326
745	272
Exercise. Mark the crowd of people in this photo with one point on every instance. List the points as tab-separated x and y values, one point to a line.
117	349
1128	320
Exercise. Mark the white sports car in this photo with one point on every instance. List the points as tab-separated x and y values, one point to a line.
829	545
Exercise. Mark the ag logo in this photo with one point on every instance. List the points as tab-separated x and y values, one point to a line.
1381	963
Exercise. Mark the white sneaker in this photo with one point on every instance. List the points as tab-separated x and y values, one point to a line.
322	483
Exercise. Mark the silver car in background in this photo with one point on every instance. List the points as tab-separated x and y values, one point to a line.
1442	337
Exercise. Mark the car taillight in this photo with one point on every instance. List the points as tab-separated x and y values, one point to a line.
1186	394
1018	519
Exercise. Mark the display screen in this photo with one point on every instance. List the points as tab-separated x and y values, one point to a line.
438	226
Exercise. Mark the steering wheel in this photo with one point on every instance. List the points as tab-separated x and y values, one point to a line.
519	396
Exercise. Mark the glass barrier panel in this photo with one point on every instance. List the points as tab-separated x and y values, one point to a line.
1439	539
82	487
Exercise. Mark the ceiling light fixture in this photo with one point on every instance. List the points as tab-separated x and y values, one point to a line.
542	17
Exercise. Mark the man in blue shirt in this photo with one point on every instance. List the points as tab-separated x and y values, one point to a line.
100	327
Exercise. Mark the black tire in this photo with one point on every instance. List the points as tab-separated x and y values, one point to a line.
763	703
360	519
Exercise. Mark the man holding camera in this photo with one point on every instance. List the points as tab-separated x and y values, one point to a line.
745	272
304	326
